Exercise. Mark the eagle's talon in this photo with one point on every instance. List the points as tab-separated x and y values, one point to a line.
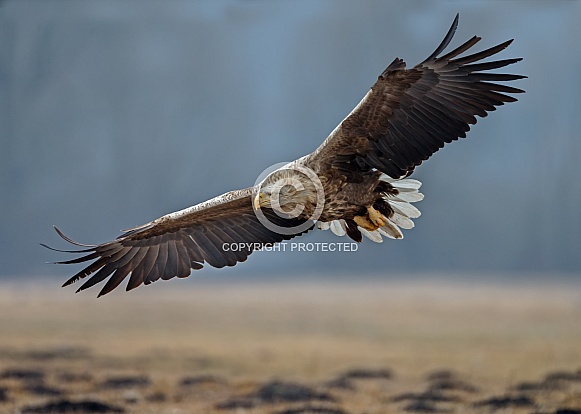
365	223
372	221
376	217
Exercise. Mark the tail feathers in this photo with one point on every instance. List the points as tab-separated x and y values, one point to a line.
400	203
338	227
402	221
408	196
404	208
372	235
404	183
390	230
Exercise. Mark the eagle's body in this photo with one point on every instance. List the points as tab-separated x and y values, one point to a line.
354	183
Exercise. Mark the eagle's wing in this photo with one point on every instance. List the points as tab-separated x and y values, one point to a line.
173	245
411	113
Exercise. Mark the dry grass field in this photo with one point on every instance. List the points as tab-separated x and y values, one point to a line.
359	347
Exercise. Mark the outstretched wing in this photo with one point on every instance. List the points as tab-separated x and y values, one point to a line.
411	113
173	245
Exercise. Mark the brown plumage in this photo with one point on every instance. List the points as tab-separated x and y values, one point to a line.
360	170
173	245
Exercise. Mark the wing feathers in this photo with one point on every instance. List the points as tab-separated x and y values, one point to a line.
139	270
213	254
475	67
446	40
183	260
460	49
153	256
115	279
478	56
101	275
93	267
60	233
81	259
497	87
172	260
177	243
410	114
160	264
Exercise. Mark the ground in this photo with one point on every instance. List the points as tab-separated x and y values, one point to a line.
362	346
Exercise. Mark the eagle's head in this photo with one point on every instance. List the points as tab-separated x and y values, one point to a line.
286	191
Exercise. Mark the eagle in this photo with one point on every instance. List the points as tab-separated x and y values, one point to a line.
355	183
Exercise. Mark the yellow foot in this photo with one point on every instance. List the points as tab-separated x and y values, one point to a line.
372	221
364	222
376	217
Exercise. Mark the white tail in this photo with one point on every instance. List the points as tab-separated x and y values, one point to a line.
403	212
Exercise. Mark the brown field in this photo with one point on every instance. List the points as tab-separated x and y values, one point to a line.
304	347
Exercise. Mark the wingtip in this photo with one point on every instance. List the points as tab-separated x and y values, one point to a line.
67	251
446	41
102	293
455	22
504	45
60	233
46	246
68	282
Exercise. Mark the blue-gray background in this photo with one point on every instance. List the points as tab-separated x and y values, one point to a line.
113	113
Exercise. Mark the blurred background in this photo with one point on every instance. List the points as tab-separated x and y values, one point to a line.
113	113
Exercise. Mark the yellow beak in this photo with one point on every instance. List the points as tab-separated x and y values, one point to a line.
258	200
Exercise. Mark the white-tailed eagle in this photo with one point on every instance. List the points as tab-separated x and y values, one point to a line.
355	183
